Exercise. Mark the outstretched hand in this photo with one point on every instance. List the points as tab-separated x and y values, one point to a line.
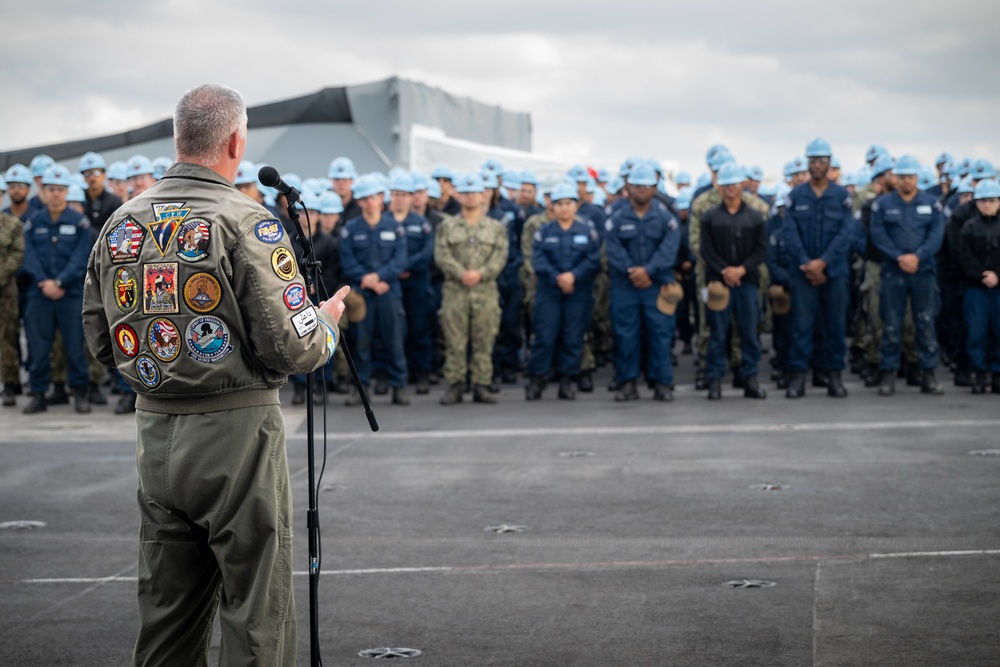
335	304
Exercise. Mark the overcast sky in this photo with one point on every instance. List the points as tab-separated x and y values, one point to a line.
602	80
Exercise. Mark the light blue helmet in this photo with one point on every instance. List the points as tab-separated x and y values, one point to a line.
489	179
365	186
578	173
683	201
18	173
246	173
512	179
907	165
138	165
434	189
603	175
927	178
642	174
443	171
396	171
819	148
541	194
600	198
767	190
704	180
964	166
118	171
160	166
493	165
754	173
987	189
781	196
309	201
713	150
789	169
342	168
883	163
57	175
864	176
655	164
331	203
615	185
874	151
982	168
528	178
943	158
468	183
3	184
565	191
401	183
949	169
730	173
718	159
76	194
314	185
682	178
965	186
78	180
834	162
91	160
848	179
40	164
420	182
294	180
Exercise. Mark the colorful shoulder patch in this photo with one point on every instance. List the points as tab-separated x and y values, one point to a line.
159	284
192	240
127	340
147	371
126	287
163	339
202	293
331	339
125	240
208	340
283	263
169	217
295	296
269	231
305	322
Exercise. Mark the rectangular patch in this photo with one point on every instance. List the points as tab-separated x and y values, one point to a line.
305	322
159	288
67	230
387	236
924	210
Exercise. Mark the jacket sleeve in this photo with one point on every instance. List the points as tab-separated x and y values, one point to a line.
421	260
498	258
95	322
443	257
544	271
588	268
792	239
840	244
76	268
935	236
32	266
880	235
397	264
618	259
972	265
758	255
660	265
349	264
713	260
13	254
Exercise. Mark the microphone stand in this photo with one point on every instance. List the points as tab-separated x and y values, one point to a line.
310	270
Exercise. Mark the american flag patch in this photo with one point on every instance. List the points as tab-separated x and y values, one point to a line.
125	240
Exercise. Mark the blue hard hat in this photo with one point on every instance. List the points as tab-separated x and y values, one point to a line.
420	181
615	185
512	179
600	198
874	151
683	178
864	176
713	150
160	166
78	179
981	168
56	175
718	159
850	178
342	167
138	165
655	164
683	200
365	186
493	165
40	164
819	148
489	179
293	180
434	190
754	173
330	203
246	173
18	174
767	190
964	166
965	185
401	183
949	168
118	171
987	189
603	175
943	158
528	177
76	194
781	196
642	174
834	162
468	183
442	171
565	191
883	163
309	200
704	180
3	184
91	160
578	173
315	185
927	178
730	173
907	165
788	169
396	171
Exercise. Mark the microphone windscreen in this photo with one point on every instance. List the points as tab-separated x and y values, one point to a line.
268	176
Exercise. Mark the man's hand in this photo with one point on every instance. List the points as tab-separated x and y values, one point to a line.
639	277
815	271
381	288
404	275
909	263
335	304
733	275
565	282
370	280
471	278
686	266
51	290
990	279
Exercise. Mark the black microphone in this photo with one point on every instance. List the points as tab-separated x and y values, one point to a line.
270	177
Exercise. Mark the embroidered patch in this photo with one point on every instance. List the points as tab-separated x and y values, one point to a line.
127	340
283	263
125	240
295	296
147	370
305	322
202	293
163	339
159	285
192	240
269	231
208	340
331	339
169	217
126	289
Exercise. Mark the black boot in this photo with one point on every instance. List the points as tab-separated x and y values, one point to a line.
507	376
533	390
9	397
585	383
996	384
423	384
453	394
914	376
714	389
482	394
399	396
81	400
58	395
796	386
887	386
96	396
700	383
738	382
836	388
38	404
663	392
627	392
929	383
126	404
963	377
783	381
751	389
979	382
381	384
566	390
872	376
821	378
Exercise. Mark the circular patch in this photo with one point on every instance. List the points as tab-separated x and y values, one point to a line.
126	289
295	296
202	293
192	240
208	340
283	263
163	339
147	370
269	231
127	340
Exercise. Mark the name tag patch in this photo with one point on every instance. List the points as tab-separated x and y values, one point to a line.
67	230
387	236
580	238
305	322
924	210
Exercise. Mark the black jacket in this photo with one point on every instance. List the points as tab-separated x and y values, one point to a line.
950	268
979	247
733	240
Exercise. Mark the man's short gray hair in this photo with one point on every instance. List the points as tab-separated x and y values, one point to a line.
204	120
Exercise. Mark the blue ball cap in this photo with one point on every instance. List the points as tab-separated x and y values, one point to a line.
981	168
819	148
907	165
528	178
76	194
718	159
683	200
578	173
987	189
18	173
642	174
682	178
246	173
56	175
468	183
160	166
442	171
138	165
420	182
331	203
434	190
754	173
118	171
489	179
565	191
342	167
91	160
364	186
730	174
40	164
883	163
401	183
943	158
493	165
874	151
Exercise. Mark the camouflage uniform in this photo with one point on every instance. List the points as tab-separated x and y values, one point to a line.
11	256
470	315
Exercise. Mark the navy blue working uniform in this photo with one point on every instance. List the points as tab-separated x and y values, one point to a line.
56	250
380	249
777	266
650	241
897	228
509	340
560	320
417	293
818	227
